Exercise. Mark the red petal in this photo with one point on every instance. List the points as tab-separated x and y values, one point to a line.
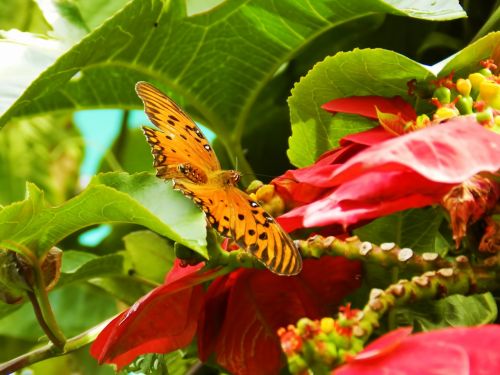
384	344
450	153
162	321
366	197
305	185
367	106
409	171
445	351
259	302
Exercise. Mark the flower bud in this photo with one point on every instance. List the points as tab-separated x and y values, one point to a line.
464	105
327	325
484	117
444	113
464	86
476	79
490	93
443	94
485	72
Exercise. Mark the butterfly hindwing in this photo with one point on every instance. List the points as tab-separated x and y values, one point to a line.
233	213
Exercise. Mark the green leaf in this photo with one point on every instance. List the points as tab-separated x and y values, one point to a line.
81	266
65	19
453	311
355	73
467	60
416	229
126	289
70	304
220	77
151	255
23	15
112	197
45	151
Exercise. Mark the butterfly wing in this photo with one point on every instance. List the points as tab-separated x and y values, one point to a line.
233	213
177	141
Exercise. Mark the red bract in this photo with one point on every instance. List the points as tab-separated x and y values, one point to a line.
368	106
162	321
243	311
305	185
237	319
445	351
409	171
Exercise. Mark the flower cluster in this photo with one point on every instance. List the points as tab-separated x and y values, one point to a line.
408	161
323	343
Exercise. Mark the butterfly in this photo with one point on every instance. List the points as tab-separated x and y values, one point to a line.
182	153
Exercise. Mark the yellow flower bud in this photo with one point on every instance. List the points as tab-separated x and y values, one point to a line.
445	113
327	325
476	79
490	93
497	121
265	193
464	86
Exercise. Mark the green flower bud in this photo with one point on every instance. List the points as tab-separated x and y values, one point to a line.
484	117
296	364
485	72
464	105
443	94
303	325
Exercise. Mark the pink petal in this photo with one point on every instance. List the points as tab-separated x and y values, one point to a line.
446	351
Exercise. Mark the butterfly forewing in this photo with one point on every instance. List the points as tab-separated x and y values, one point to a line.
182	153
181	139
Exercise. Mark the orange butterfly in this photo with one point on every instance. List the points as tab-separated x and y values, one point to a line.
182	153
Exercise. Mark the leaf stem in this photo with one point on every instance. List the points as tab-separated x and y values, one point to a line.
43	310
50	350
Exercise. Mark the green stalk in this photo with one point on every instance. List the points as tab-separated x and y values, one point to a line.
45	314
50	350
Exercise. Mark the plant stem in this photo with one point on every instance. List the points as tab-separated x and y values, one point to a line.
43	310
50	350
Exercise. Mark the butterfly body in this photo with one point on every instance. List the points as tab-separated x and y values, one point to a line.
182	154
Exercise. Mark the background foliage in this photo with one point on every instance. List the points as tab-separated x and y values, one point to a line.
232	65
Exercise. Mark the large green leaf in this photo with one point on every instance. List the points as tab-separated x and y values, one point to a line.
414	229
218	61
453	311
112	197
360	73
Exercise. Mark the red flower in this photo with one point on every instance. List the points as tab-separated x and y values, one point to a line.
413	170
445	351
236	319
162	321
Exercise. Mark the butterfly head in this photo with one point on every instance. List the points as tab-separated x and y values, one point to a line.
230	178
